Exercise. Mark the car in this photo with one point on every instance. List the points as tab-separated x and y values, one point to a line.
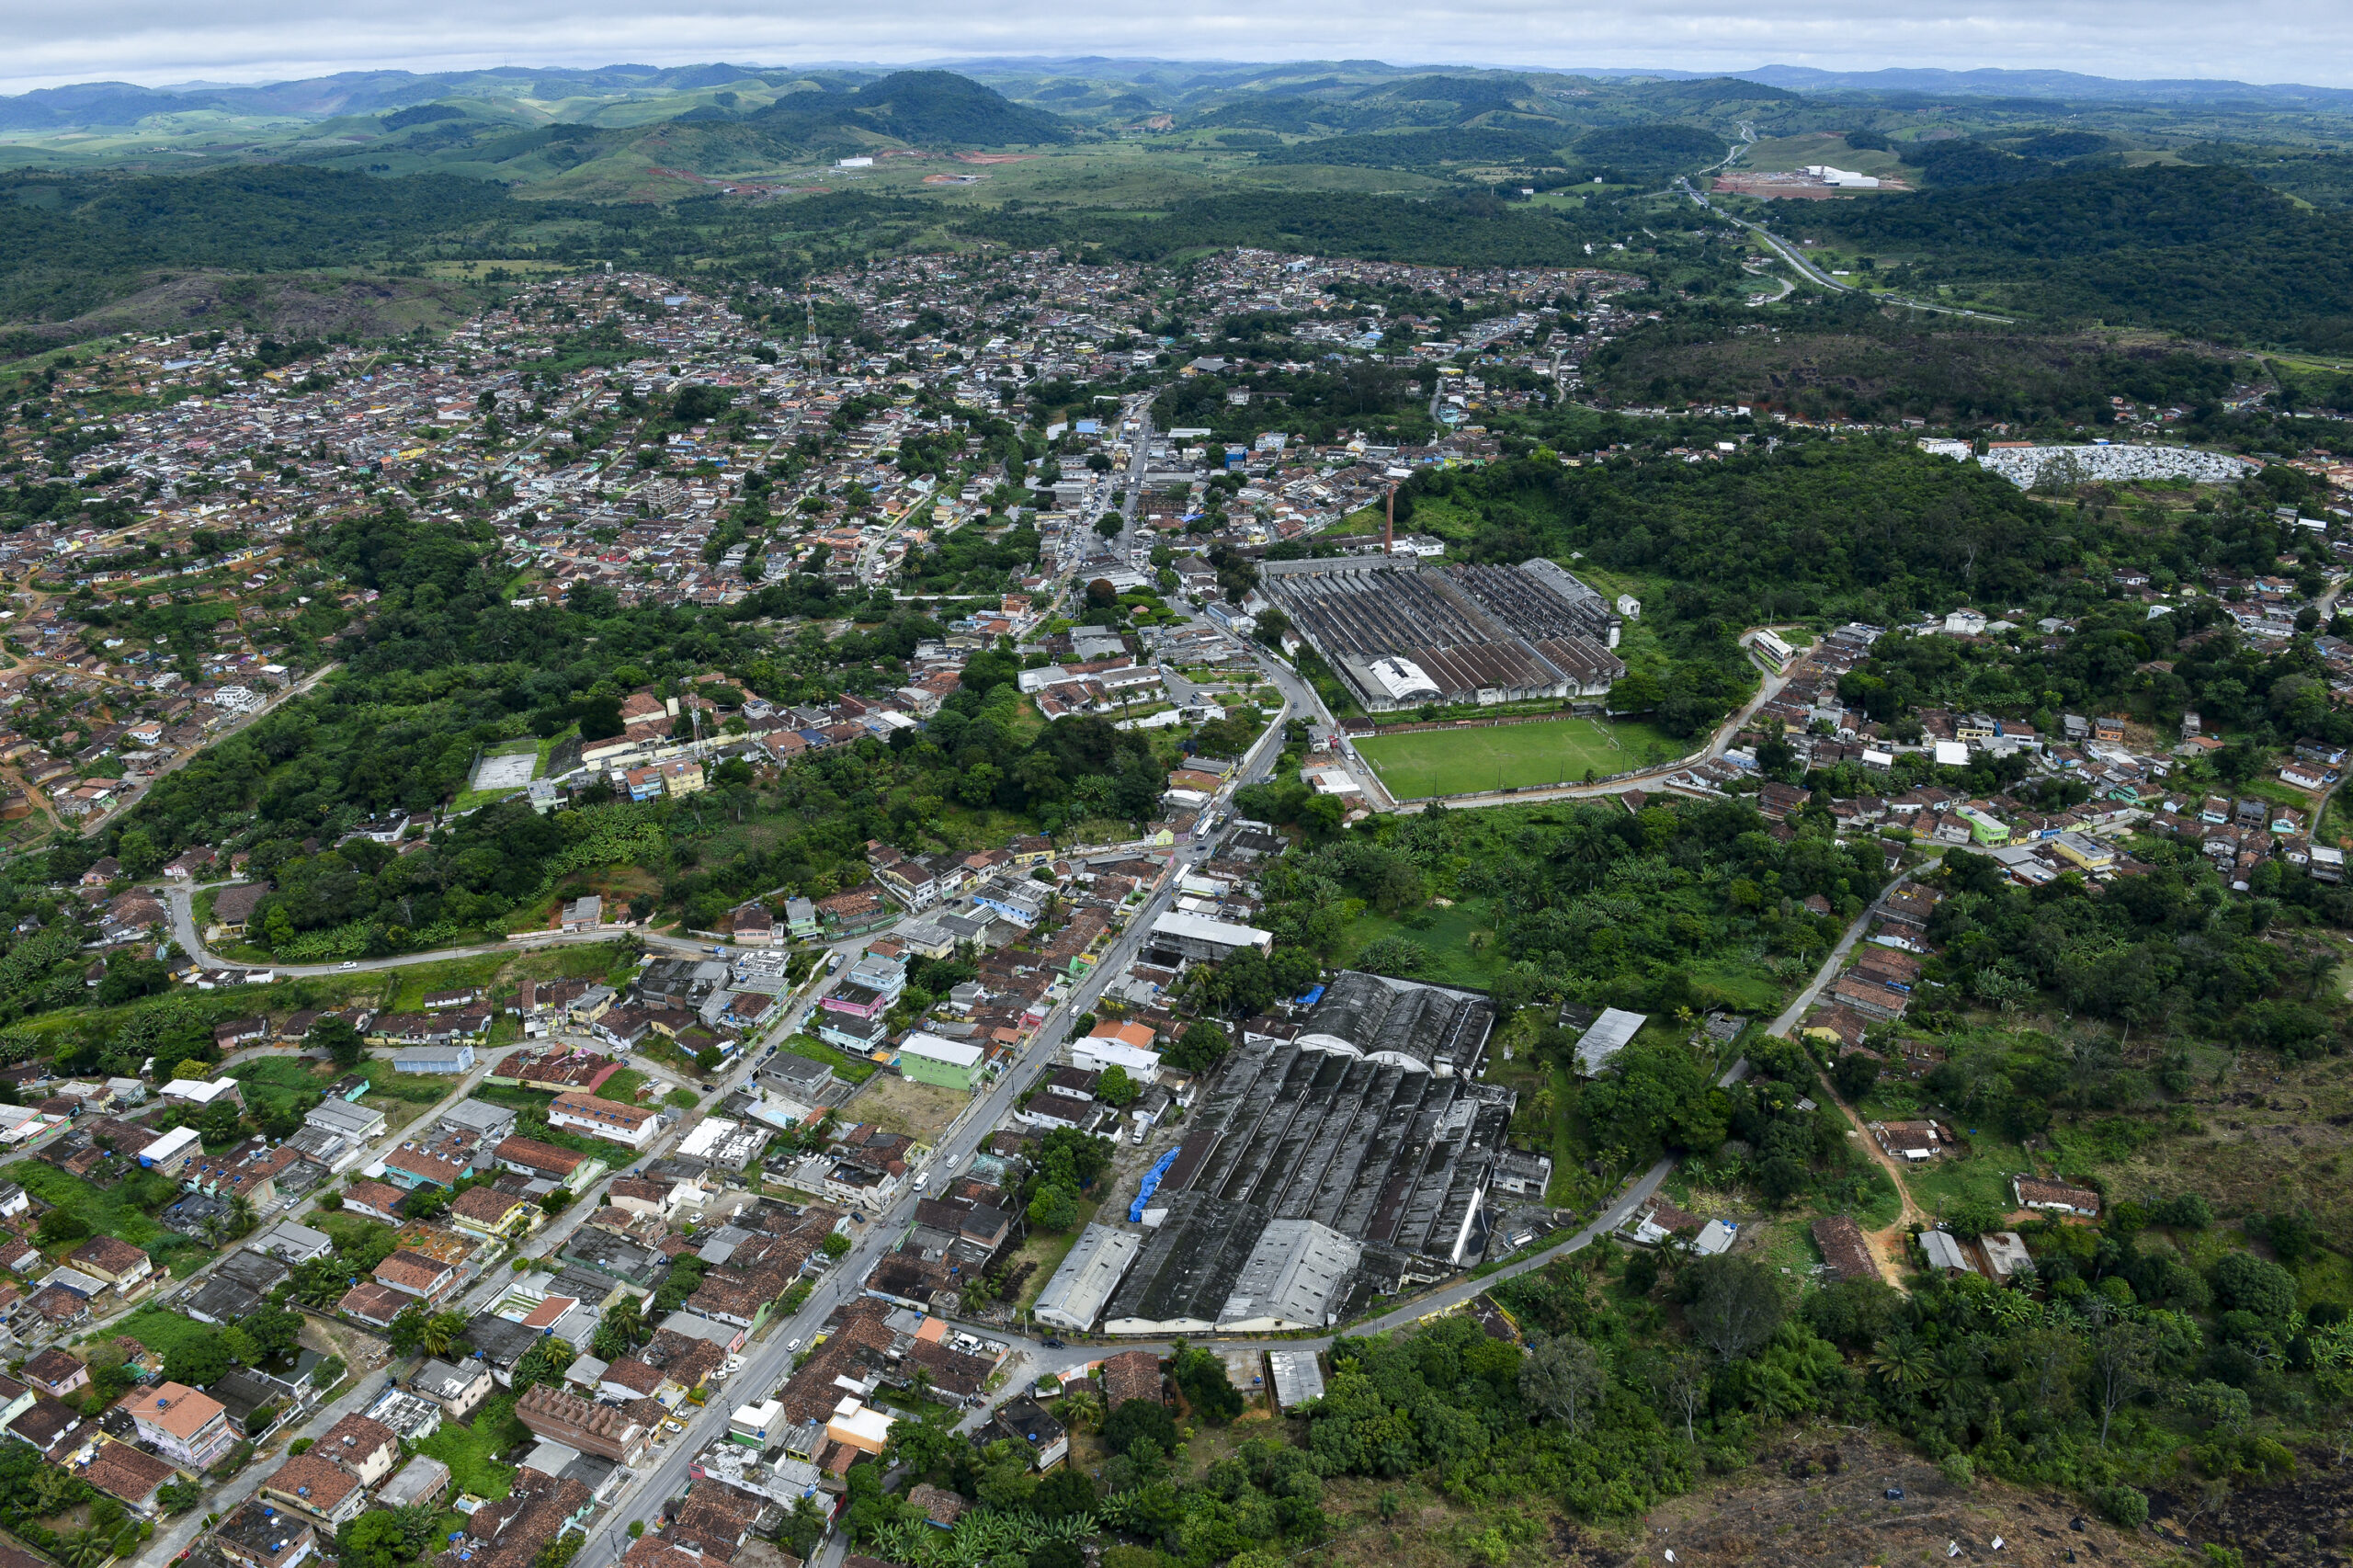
1056	1345
348	963
734	1363
707	1089
673	1427
791	1346
720	951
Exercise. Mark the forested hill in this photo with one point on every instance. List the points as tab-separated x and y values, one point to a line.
2205	251
69	243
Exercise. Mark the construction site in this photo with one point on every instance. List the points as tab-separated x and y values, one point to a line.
1403	635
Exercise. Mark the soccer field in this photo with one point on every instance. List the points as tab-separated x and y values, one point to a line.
1464	761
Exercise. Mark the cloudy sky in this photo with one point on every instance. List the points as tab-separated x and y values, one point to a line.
158	42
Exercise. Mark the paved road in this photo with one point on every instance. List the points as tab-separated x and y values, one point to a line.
766	1361
1828	972
1820	279
181	900
308	683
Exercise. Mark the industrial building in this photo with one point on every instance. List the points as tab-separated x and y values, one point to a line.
1081	1287
1401	635
1370	1123
1297	1277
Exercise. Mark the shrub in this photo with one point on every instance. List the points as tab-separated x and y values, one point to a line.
2124	1506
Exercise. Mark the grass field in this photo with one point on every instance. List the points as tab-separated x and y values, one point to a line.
1463	761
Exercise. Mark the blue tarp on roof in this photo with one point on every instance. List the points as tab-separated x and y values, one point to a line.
1151	1184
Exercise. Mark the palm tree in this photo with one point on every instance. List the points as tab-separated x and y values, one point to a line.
85	1548
441	1332
1902	1362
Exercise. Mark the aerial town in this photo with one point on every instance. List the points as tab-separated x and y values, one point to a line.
665	1234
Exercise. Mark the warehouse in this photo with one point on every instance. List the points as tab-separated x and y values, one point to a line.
1188	1268
1372	1123
1297	1277
1402	636
1081	1287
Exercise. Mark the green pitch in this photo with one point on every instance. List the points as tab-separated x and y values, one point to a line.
1465	761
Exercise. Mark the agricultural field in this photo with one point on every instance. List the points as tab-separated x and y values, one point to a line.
1422	763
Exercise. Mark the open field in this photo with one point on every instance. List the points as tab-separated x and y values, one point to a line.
920	1111
1457	762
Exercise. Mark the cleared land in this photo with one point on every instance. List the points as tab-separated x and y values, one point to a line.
1503	756
920	1111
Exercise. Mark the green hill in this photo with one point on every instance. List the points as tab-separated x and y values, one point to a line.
916	106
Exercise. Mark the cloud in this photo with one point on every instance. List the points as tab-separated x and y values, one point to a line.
155	44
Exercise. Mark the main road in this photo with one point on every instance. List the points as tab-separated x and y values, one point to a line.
767	1360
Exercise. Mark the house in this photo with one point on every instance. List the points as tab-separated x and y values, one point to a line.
419	1481
632	1126
2056	1197
314	1484
117	1263
531	1158
584	914
368	1449
188	1427
55	1372
374	1304
493	1215
292	1243
423	1480
419	1275
1132	1374
1025	1421
131	1476
444	1060
260	1536
600	1430
354	1123
459	1389
1844	1248
375	1201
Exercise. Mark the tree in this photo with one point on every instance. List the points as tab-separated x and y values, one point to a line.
1109	525
1681	1381
2123	1356
441	1331
1055	1207
61	1225
1200	1375
196	1360
1562	1377
1145	1418
338	1037
1736	1307
1115	1089
405	1333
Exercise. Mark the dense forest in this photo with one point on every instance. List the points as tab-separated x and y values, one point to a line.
2209	251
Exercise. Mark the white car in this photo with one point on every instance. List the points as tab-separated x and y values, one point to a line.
348	963
734	1365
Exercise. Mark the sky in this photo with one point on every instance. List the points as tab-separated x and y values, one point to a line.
158	42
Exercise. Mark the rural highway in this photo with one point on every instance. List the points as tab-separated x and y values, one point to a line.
1820	279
